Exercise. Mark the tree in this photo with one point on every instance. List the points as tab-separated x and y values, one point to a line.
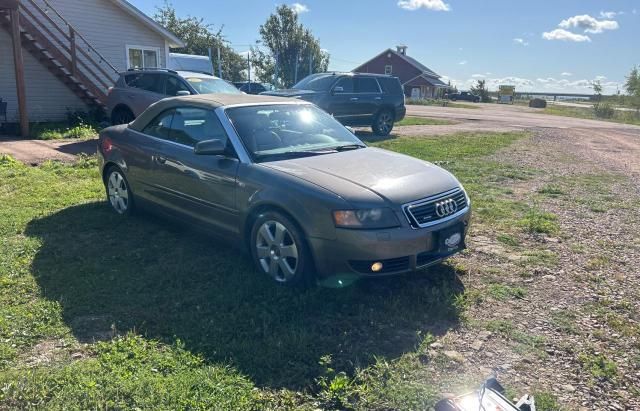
199	37
632	86
480	90
291	46
597	89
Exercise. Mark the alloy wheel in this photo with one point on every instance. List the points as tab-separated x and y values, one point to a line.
118	192
277	251
385	122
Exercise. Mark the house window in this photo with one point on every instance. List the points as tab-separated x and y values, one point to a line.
143	57
388	69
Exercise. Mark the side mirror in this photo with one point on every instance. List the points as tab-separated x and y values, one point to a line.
210	148
183	93
338	90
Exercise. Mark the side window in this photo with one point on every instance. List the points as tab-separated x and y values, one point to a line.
346	83
147	81
174	85
160	127
367	85
191	125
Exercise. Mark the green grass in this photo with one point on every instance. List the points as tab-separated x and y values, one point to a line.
423	121
627	117
598	365
195	326
57	131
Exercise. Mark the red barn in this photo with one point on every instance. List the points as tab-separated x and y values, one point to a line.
416	78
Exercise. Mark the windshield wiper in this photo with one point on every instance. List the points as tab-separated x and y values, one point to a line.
294	154
348	147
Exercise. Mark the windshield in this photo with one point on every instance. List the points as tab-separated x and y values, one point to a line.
282	131
205	85
316	82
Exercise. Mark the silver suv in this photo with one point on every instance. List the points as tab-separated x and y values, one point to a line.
136	90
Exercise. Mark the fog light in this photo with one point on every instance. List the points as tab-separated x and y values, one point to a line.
375	267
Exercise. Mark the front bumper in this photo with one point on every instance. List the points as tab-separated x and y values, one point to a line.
401	249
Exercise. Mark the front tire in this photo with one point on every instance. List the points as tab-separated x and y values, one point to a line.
119	193
383	123
279	250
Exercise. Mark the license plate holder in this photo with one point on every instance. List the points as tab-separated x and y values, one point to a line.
451	240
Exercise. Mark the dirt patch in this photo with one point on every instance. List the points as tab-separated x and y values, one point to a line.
559	312
35	152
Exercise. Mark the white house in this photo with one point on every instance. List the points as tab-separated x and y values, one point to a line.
72	51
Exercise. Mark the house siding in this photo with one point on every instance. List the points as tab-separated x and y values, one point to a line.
109	29
105	25
48	98
401	68
406	72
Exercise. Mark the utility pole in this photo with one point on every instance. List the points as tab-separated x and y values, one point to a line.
249	70
213	67
295	76
275	72
219	64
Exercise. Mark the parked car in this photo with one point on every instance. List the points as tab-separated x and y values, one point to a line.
135	90
298	188
360	100
253	87
464	96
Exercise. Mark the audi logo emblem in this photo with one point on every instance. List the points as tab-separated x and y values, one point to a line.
446	208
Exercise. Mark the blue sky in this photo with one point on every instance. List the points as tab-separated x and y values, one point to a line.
558	45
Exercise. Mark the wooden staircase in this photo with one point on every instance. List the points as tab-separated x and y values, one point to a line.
51	39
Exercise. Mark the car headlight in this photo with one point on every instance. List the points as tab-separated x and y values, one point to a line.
368	218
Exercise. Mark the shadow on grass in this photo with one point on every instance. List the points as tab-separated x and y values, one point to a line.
168	283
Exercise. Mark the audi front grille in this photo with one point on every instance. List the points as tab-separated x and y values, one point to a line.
436	209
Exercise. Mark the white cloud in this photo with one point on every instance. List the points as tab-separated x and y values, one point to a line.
608	14
561	34
566	74
299	8
520	41
478	76
488	73
600	78
436	5
548	84
589	24
463	62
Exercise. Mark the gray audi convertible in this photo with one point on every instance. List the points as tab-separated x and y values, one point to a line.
307	197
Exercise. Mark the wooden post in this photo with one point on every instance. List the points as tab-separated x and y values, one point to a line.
19	68
74	56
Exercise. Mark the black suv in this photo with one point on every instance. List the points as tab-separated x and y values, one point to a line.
355	99
465	96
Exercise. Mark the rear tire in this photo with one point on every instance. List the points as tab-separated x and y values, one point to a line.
119	195
383	123
122	115
279	250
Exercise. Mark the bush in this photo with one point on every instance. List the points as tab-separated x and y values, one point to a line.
604	110
538	103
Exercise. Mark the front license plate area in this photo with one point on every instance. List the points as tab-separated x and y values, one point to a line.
451	240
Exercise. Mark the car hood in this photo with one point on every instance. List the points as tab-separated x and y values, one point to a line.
291	93
367	175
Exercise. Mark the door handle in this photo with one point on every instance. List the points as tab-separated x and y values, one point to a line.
354	99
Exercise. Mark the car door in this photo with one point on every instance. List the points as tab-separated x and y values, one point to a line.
144	90
369	97
343	100
202	187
